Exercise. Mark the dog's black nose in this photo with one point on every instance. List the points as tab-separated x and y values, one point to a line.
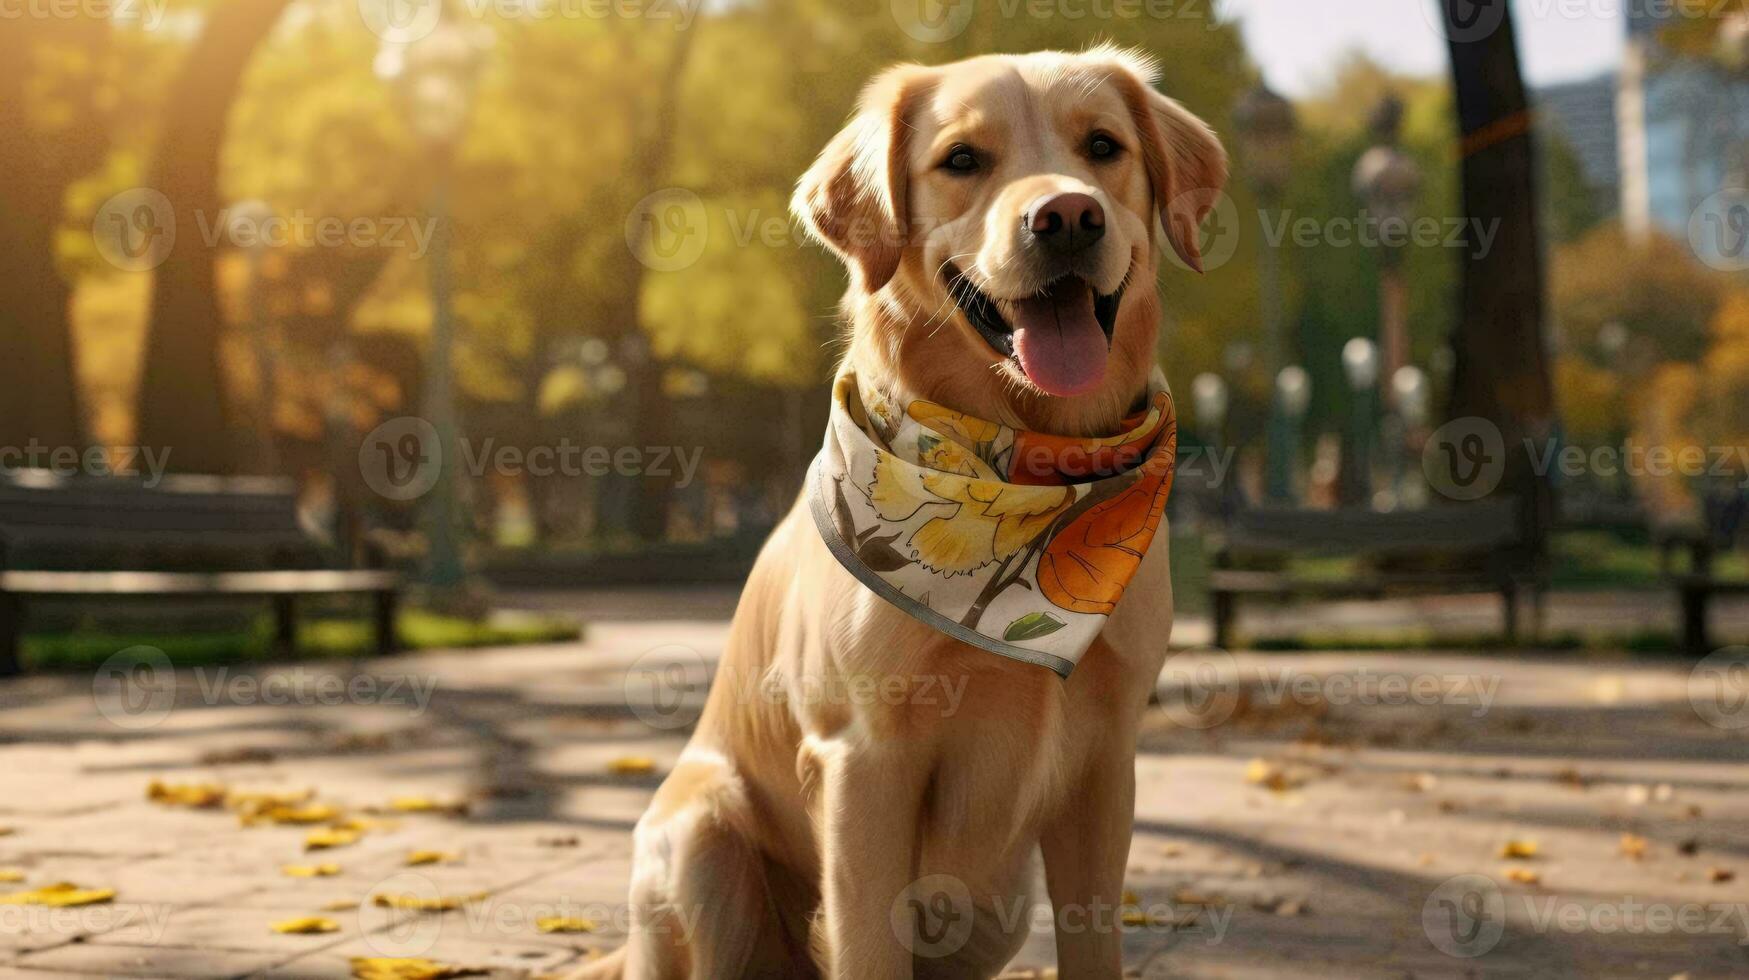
1066	223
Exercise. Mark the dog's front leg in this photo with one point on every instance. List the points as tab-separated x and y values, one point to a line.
1086	848
873	794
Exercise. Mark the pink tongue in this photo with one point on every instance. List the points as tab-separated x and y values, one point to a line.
1058	340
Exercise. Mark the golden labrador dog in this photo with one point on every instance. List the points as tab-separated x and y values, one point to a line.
803	828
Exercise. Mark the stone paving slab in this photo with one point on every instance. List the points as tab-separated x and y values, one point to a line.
1299	817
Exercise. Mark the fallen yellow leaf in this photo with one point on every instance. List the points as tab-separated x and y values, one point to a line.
425	804
363	824
327	869
60	895
417	904
329	837
1518	850
11	875
418	858
563	923
632	765
1633	846
396	968
1136	919
306	926
1131	898
340	905
316	813
1262	772
195	795
1523	876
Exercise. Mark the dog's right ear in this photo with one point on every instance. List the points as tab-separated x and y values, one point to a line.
853	199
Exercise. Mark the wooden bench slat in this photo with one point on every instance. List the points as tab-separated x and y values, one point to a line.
1478	527
1271	583
194	583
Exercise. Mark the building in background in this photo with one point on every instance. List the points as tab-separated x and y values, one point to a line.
1683	127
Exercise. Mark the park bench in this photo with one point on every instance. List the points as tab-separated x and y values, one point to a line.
114	538
1695	589
1468	548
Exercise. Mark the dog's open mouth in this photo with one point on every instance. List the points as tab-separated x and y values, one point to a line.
1059	337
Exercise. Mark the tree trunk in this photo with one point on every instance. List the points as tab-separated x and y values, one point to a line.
39	402
182	404
1502	371
652	418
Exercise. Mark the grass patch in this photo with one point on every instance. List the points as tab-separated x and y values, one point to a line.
318	638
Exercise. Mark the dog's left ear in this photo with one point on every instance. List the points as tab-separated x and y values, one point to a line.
1186	163
853	199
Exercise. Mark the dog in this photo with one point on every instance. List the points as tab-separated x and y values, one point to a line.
797	833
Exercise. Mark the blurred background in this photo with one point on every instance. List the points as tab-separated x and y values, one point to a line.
505	295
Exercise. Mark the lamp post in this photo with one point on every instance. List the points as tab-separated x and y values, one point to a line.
435	78
1265	124
1293	395
1360	362
1387	181
248	220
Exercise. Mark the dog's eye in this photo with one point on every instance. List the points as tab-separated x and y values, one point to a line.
960	160
1102	147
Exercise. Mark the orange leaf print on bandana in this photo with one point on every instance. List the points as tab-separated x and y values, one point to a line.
1087	564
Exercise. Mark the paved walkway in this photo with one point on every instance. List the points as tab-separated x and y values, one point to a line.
1305	815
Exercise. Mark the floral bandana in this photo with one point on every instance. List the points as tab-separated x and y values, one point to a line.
1016	542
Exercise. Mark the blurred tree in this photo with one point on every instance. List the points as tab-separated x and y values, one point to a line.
1622	309
182	398
53	98
1629	305
1502	370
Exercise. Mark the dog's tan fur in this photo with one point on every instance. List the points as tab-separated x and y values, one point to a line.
794	822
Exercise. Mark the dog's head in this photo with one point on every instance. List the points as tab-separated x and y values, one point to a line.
1002	218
